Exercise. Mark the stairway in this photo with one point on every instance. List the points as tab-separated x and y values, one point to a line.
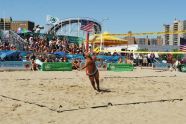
14	39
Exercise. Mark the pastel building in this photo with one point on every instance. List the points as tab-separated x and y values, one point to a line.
174	39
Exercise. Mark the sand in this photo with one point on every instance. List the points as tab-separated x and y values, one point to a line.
68	98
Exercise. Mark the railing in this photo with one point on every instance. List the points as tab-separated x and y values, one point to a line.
17	37
17	40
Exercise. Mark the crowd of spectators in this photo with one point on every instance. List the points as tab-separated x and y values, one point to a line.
7	46
41	45
44	50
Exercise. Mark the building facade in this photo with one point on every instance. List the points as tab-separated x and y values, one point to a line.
144	41
174	39
9	24
15	25
5	24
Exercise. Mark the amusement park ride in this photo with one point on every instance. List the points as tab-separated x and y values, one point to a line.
68	24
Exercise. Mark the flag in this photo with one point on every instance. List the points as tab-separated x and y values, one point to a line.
87	27
52	20
182	44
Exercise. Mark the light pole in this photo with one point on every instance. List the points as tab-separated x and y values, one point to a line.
102	39
104	19
4	21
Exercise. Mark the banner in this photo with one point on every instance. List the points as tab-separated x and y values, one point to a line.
52	20
15	65
119	67
56	66
182	67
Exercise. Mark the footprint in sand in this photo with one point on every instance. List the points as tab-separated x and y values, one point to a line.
15	106
52	121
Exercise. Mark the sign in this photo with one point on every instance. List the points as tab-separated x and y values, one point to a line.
182	67
119	67
56	66
15	65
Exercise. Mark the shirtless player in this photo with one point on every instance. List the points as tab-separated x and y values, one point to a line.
92	71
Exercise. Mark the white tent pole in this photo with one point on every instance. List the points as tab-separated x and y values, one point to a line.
101	41
4	21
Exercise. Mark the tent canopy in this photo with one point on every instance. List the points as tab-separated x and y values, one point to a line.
108	40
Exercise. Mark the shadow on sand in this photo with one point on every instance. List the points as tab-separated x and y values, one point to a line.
104	91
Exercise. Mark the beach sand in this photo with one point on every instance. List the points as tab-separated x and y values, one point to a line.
68	98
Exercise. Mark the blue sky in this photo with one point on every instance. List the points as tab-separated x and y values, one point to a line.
124	15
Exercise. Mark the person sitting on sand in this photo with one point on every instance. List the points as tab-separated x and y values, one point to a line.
120	60
92	71
175	65
34	66
75	64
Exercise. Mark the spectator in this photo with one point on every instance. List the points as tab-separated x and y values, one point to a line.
75	64
120	60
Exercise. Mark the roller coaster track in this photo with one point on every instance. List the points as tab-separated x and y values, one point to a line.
62	23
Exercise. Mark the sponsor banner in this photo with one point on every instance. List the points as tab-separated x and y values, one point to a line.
15	65
56	66
182	67
119	67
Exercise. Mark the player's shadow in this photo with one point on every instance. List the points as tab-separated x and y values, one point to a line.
105	91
